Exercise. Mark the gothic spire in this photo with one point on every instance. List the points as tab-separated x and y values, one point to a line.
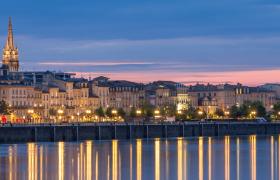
10	38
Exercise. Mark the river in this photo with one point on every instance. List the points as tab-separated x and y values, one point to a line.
210	158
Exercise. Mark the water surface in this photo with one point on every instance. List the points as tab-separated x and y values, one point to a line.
249	157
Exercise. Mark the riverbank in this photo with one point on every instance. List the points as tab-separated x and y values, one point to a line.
77	132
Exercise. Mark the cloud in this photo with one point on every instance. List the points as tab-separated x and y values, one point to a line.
93	63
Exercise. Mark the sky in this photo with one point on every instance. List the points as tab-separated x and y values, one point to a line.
187	41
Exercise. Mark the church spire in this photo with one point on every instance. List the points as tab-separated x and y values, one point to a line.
10	38
10	52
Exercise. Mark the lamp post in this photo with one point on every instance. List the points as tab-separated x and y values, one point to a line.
138	112
114	112
88	112
30	112
253	114
227	113
200	113
78	114
179	112
60	113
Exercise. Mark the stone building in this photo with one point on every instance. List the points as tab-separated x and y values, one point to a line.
224	96
164	93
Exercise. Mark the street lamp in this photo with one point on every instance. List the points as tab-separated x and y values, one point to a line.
179	112
200	113
114	111
78	114
156	112
227	113
138	112
253	113
30	112
88	111
60	112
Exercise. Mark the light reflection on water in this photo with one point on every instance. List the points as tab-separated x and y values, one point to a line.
203	158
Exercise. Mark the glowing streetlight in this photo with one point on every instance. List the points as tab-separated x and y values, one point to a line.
227	113
60	111
114	112
179	112
253	113
156	112
30	111
138	112
279	113
88	111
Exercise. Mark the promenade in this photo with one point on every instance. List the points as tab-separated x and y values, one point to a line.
15	133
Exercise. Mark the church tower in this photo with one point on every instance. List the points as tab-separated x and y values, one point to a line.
10	52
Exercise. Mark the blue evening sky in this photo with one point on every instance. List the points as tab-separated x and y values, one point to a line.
146	35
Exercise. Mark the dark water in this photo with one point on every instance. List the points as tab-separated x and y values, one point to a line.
227	158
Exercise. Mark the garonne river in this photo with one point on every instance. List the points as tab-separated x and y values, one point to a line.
210	158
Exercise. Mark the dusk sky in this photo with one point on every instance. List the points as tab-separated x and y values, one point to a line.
182	40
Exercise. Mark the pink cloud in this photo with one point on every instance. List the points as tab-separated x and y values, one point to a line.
255	77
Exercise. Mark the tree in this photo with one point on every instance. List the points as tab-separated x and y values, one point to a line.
52	112
100	112
121	112
133	112
259	108
235	112
169	110
4	108
247	108
148	110
109	112
219	112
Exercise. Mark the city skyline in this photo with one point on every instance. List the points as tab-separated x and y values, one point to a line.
178	43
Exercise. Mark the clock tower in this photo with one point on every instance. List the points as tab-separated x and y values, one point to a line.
10	52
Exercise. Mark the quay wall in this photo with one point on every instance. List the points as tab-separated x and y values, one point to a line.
52	133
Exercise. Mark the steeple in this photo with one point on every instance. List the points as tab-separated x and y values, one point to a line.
10	38
10	52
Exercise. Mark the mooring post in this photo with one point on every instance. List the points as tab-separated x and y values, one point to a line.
99	133
35	134
77	132
147	131
165	126
130	131
115	127
183	130
54	134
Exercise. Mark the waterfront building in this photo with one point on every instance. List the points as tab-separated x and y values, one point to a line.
166	93
272	87
22	99
245	93
99	87
126	95
224	96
